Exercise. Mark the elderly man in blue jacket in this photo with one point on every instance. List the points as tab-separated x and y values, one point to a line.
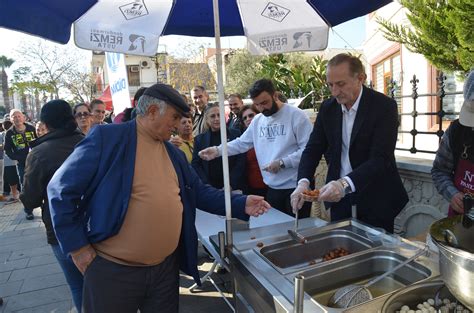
123	206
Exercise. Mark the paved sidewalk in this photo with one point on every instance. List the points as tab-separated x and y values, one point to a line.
32	281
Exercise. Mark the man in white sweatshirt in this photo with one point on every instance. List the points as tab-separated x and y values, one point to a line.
279	136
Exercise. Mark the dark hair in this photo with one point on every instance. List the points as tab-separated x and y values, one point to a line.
96	102
355	65
236	95
248	107
57	114
77	106
127	115
260	86
137	95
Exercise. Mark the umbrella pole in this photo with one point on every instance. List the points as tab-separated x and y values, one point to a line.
220	92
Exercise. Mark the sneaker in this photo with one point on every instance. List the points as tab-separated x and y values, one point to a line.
29	216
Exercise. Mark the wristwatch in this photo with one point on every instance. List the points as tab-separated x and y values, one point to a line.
345	185
282	164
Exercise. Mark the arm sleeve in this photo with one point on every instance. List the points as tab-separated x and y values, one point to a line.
241	144
443	169
197	162
316	146
302	130
68	186
34	182
9	147
211	200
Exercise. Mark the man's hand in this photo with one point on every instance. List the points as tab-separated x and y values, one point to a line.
209	154
296	197
256	205
332	192
176	140
83	257
457	203
273	167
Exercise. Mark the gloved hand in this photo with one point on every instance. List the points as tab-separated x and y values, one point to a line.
296	198
273	167
209	154
332	192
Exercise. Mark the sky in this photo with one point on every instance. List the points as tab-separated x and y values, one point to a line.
347	35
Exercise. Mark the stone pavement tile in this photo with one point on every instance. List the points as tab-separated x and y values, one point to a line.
37	271
10	234
28	245
42	260
4	256
34	299
31	224
10	289
4	276
32	231
28	253
13	265
42	282
58	307
33	238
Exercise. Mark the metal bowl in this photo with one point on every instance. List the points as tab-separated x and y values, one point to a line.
415	294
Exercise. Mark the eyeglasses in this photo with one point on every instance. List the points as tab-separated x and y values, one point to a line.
246	117
214	116
82	114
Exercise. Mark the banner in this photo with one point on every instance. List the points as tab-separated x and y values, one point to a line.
279	26
126	26
118	81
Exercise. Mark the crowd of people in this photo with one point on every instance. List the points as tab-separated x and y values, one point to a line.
118	200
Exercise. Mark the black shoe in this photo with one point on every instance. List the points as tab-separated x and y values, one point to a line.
29	216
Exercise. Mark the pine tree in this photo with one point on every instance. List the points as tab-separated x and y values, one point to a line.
442	32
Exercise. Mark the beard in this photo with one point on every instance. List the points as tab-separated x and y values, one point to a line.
272	110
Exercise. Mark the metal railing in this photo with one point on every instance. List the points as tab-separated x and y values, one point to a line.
440	114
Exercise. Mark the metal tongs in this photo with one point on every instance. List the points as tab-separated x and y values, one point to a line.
294	233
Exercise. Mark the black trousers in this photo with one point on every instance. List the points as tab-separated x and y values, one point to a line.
112	287
280	200
343	209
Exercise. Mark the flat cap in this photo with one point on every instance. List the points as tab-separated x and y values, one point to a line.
169	95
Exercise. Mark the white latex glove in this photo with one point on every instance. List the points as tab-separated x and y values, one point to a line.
296	198
332	192
209	154
272	167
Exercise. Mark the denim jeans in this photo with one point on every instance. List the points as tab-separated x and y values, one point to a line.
74	278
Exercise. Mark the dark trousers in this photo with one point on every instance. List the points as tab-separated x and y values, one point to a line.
21	173
112	287
343	210
280	200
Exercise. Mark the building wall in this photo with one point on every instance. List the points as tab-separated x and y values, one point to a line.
147	73
376	49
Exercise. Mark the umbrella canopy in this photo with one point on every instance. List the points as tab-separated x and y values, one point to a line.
52	19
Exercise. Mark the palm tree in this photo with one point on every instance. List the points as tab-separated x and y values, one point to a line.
5	62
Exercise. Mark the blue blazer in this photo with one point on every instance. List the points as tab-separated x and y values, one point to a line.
89	193
380	194
236	162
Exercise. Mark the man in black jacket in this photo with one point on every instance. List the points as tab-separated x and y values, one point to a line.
17	145
47	155
356	130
